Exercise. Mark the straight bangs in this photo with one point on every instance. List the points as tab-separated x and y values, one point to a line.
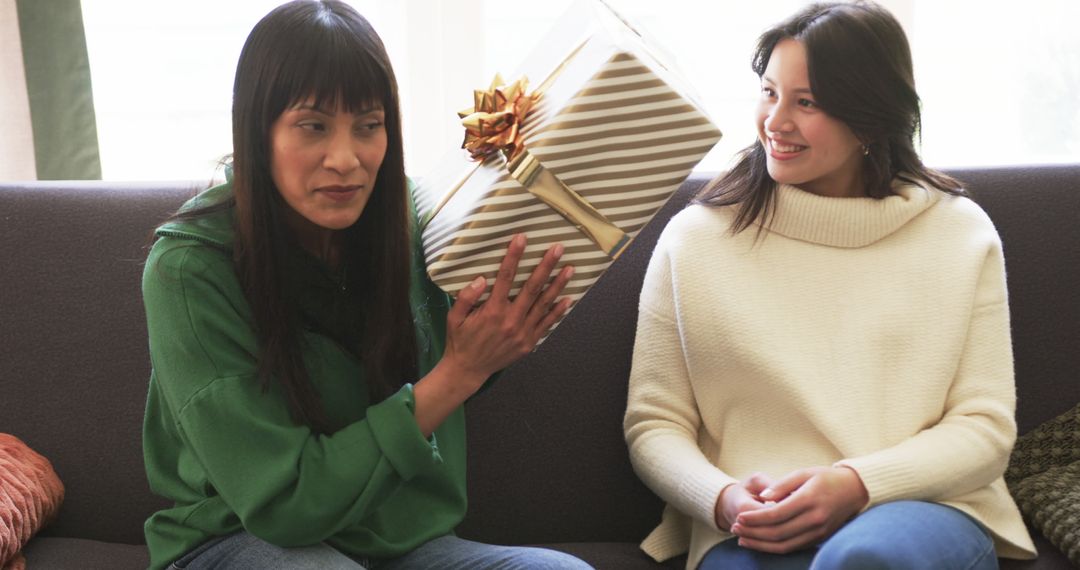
339	70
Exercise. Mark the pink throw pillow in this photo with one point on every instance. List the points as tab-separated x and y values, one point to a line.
30	496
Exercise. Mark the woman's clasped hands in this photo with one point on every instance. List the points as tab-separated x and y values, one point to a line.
794	512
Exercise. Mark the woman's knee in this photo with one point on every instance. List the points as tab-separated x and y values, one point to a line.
529	558
246	551
856	555
454	552
909	534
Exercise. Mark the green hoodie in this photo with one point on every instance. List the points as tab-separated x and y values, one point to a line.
228	455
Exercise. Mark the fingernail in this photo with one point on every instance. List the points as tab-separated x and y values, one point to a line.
519	239
569	271
558	250
767	494
478	283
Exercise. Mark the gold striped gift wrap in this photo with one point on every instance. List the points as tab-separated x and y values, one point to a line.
614	125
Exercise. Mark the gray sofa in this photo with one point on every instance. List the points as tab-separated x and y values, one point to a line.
547	461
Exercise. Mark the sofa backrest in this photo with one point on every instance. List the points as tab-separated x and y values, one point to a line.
546	454
74	363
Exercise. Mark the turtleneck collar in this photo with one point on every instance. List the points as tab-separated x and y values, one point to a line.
847	222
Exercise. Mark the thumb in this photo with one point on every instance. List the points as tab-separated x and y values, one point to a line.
787	485
466	300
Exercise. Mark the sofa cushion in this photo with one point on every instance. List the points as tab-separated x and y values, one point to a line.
1050	558
1044	477
62	553
615	555
1051	501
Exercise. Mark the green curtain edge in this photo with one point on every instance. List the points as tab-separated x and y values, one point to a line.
59	89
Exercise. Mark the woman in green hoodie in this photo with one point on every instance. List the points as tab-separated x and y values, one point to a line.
305	405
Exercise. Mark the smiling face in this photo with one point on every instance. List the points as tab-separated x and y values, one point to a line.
805	147
324	163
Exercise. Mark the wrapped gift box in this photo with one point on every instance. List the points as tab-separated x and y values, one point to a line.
611	122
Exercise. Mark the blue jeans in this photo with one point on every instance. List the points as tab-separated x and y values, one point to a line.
242	551
900	535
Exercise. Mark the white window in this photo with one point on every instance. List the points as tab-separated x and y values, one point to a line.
999	83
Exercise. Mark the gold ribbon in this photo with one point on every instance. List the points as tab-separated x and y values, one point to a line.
494	124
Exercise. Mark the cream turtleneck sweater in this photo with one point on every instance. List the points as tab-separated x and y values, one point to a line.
867	333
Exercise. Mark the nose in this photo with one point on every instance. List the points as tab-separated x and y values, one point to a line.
342	153
778	119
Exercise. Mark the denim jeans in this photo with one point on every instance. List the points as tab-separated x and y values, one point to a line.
900	535
242	551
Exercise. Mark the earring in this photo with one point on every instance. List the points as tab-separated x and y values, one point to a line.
866	150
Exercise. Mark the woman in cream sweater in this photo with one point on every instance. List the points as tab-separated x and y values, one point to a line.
823	372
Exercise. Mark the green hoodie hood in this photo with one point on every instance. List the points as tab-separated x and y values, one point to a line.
216	229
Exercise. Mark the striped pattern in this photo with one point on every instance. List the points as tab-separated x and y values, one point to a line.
625	142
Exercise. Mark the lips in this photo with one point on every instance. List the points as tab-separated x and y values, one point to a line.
339	193
783	150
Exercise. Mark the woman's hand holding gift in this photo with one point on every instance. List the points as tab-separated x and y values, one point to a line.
483	340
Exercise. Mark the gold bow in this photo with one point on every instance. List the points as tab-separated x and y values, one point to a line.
493	123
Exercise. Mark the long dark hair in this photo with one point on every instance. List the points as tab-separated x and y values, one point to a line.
860	69
322	49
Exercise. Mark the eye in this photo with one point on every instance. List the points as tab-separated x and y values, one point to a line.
768	91
313	126
807	103
369	127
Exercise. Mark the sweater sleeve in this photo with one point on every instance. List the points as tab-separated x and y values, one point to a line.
969	447
287	485
662	419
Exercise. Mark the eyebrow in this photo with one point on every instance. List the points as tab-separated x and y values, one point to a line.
799	90
359	112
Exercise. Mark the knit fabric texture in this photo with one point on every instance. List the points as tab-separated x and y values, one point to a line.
30	496
1044	478
854	332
